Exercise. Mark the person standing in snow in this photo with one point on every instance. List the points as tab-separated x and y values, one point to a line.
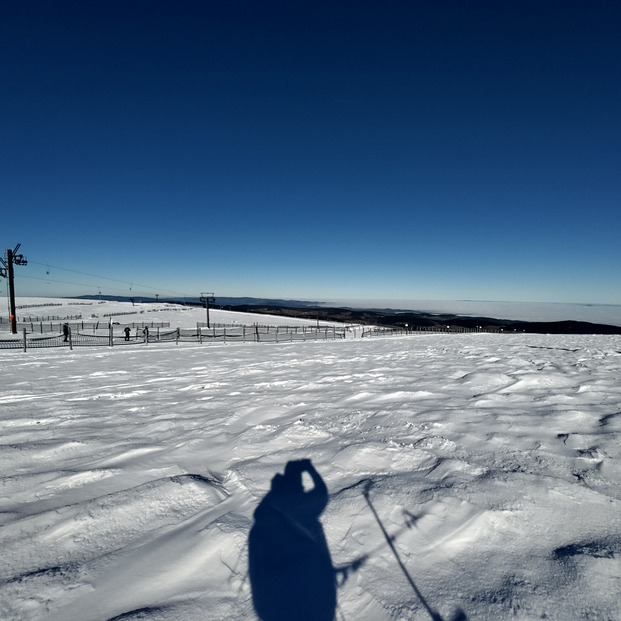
290	568
65	332
127	331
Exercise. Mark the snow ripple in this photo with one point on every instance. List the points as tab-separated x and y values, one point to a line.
130	478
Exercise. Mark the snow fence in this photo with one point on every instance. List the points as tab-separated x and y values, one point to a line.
112	336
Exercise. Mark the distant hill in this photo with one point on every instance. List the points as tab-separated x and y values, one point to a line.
384	317
195	301
413	320
222	301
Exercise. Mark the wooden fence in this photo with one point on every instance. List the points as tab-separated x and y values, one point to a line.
111	336
146	333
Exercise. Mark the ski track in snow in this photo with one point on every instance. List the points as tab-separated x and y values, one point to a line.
129	477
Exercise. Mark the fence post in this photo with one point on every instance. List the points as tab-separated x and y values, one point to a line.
200	334
177	336
24	339
70	339
110	335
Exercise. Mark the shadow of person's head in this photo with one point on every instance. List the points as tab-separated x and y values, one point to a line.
290	568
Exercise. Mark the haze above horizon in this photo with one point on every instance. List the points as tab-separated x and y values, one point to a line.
430	150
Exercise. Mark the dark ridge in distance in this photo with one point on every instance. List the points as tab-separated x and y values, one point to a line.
313	311
195	301
414	320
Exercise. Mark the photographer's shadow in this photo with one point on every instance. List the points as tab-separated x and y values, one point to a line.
291	571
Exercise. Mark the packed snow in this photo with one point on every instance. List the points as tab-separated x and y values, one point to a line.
440	476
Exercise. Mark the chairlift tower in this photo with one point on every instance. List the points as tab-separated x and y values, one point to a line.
207	298
12	258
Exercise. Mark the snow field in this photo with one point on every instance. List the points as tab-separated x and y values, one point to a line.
130	475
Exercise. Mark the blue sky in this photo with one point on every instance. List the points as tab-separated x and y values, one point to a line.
314	150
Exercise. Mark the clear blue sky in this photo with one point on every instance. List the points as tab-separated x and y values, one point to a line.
390	149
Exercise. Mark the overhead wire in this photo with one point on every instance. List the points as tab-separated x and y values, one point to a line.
67	282
131	284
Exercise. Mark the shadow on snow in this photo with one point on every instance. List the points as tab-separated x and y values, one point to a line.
291	572
290	567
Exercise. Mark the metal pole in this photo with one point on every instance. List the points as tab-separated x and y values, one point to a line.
11	275
206	298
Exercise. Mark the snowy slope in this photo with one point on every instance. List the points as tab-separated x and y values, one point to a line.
130	477
179	316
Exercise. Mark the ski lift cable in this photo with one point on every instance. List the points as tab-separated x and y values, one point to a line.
112	290
69	282
125	282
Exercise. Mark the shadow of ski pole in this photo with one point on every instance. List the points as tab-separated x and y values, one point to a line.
435	616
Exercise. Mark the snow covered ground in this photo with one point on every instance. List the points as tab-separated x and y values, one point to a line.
35	309
130	477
